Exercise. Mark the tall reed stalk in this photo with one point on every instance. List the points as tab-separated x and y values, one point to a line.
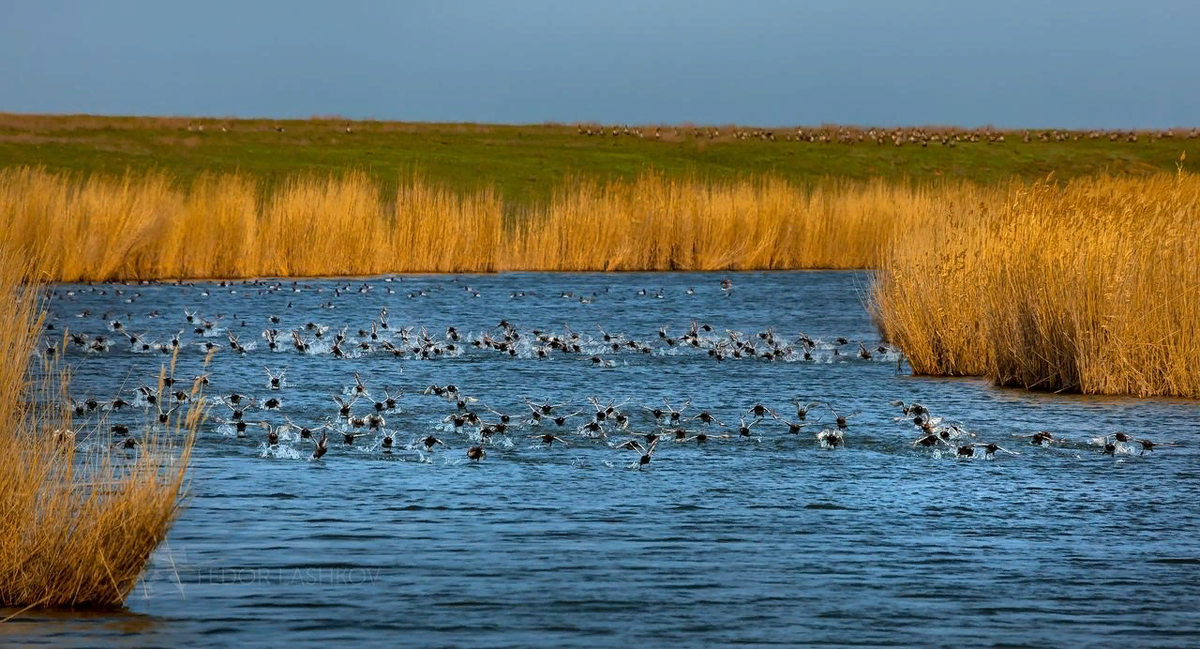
78	521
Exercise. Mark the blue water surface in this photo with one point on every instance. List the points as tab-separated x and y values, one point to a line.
771	538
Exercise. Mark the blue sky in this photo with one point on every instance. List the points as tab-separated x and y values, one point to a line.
1019	63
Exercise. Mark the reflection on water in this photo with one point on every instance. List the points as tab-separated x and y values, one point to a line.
71	628
765	539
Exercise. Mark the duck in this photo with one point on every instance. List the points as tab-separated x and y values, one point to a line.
344	406
794	427
990	449
549	439
831	438
275	381
305	432
707	418
645	452
759	411
430	441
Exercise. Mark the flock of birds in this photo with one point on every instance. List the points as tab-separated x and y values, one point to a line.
375	418
380	337
895	136
358	417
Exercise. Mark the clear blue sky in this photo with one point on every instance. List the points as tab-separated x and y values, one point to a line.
1013	63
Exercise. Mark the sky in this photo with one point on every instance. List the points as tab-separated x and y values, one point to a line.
1012	64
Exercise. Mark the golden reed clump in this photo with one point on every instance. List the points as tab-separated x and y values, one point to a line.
1092	286
79	522
227	226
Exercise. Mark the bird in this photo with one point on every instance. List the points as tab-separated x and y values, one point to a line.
430	441
274	381
701	438
744	428
929	440
759	411
560	420
831	438
549	439
990	449
388	402
344	406
273	432
305	432
841	419
793	426
708	418
360	388
863	352
914	409
1041	438
803	408
645	452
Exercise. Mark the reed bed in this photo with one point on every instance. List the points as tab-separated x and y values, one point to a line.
1091	286
656	223
78	522
145	226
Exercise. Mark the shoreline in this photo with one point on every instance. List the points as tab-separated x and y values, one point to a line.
404	274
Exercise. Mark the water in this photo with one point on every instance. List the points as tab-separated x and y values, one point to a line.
767	540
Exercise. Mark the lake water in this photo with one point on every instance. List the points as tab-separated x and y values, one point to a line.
771	538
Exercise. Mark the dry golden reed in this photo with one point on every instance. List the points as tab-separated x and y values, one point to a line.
1092	286
142	227
227	226
656	223
79	522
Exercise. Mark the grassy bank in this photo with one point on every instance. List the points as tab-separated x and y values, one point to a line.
526	164
79	521
1090	286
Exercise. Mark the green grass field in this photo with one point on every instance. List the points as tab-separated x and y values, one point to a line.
525	162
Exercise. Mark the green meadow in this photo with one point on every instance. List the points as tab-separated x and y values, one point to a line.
525	163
